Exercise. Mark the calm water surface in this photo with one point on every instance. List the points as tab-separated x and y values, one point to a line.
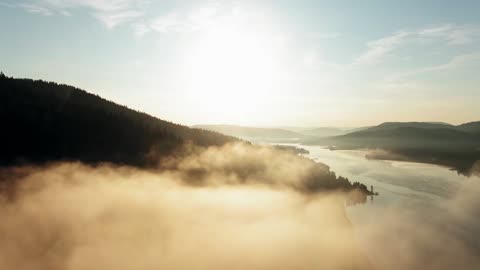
423	211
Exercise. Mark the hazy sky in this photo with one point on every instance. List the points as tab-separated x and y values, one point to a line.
278	62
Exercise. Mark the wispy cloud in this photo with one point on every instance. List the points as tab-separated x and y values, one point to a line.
451	34
112	19
110	12
458	61
381	47
32	8
192	20
447	34
117	12
6	4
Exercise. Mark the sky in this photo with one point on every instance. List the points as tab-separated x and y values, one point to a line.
260	63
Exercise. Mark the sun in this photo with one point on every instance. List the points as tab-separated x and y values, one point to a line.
232	70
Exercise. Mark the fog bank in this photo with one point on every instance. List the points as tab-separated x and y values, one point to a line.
231	207
72	216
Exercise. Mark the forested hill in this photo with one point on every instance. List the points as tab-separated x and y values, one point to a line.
438	143
44	121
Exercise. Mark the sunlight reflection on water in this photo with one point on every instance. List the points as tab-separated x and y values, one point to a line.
416	203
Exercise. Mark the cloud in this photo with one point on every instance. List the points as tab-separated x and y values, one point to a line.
113	13
452	34
458	61
110	12
447	34
112	19
170	23
37	9
197	18
140	29
185	21
379	48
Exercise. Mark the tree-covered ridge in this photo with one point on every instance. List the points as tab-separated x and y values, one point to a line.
48	122
438	143
43	121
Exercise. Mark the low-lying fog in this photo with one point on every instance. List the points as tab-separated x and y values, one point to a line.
426	216
236	207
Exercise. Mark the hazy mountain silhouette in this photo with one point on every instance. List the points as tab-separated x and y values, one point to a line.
48	122
438	143
43	121
472	127
324	131
330	131
278	134
424	125
255	133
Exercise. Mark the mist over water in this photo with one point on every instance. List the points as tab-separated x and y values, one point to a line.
74	216
426	216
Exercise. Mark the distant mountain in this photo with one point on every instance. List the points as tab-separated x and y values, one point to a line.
350	130
292	128
423	125
324	132
46	122
284	134
439	143
43	121
398	133
330	131
254	133
472	127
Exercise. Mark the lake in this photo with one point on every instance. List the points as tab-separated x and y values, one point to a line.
425	217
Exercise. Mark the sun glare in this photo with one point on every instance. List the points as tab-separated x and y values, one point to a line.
231	70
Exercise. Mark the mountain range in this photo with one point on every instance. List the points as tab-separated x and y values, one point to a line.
278	134
44	121
456	146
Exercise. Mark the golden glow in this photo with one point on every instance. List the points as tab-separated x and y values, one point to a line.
231	70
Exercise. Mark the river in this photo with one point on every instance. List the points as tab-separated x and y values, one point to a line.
425	216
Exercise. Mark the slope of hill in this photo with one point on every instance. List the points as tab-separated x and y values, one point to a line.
438	143
410	136
423	125
44	121
472	127
254	133
324	132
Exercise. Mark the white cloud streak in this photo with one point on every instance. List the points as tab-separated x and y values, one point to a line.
447	34
32	8
456	62
110	12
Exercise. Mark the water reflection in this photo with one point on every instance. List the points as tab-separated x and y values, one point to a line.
426	217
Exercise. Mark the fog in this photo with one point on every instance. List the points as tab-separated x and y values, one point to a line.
475	170
381	154
441	236
241	163
235	207
426	216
